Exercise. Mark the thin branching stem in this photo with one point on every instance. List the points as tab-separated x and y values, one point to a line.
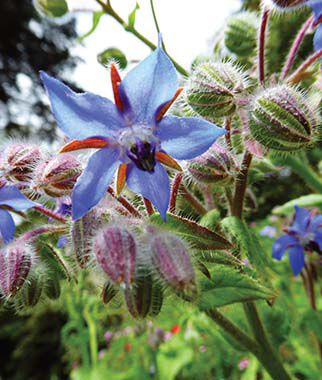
261	46
298	75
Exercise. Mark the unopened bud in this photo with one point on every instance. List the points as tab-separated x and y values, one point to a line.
241	34
172	261
215	88
51	8
108	292
31	292
286	4
282	119
115	251
215	166
145	296
15	264
19	160
83	231
57	176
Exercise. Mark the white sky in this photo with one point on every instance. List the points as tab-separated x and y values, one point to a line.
187	27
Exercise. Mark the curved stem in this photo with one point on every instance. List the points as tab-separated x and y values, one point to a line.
131	29
51	214
41	230
300	72
174	192
148	206
295	47
125	203
261	46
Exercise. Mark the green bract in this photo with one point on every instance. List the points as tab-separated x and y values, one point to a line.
282	118
214	89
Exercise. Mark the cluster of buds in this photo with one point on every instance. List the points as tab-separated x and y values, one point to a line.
141	265
57	175
16	262
215	89
282	119
215	166
18	161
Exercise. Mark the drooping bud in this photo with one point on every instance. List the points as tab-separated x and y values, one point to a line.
288	4
215	88
115	251
171	259
241	34
16	261
51	8
282	119
31	292
145	296
18	161
108	292
215	166
57	176
82	232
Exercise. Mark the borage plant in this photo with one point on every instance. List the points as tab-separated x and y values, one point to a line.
146	225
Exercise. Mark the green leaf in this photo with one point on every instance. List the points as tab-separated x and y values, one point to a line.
96	19
312	319
311	200
132	16
211	219
249	245
227	286
199	237
113	54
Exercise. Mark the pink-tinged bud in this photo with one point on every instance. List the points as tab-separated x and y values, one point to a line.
215	166
15	265
115	251
83	230
287	4
57	176
19	160
171	259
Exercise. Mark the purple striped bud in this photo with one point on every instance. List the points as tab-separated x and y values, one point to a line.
172	261
115	251
19	160
16	261
215	166
57	176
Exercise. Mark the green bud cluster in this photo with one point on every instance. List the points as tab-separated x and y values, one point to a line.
282	119
51	8
241	34
214	89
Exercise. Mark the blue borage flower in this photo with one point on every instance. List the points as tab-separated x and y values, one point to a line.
132	135
304	233
316	6
10	199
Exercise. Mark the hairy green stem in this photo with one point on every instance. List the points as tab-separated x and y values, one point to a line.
93	344
131	29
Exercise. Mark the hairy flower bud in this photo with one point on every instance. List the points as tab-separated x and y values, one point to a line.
214	89
31	292
82	232
19	160
115	251
57	176
286	4
241	34
282	119
16	261
215	166
51	8
145	296
171	259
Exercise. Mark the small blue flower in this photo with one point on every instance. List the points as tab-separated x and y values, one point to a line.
316	6
304	233
269	231
132	135
10	199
